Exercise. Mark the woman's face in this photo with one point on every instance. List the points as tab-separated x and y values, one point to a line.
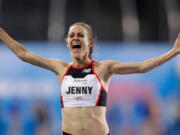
78	41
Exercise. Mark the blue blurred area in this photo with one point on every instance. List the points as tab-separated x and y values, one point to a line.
139	104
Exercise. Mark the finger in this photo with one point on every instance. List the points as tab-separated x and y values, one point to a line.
178	38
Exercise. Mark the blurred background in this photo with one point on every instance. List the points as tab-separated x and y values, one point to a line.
127	30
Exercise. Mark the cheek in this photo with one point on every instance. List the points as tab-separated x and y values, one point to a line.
85	46
68	43
86	43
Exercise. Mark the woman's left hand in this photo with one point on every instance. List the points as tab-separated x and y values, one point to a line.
177	45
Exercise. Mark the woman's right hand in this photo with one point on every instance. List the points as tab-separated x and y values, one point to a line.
1	31
176	47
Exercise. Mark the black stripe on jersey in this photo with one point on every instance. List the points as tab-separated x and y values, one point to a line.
79	73
102	101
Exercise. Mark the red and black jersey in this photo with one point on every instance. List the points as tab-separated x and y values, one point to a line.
81	87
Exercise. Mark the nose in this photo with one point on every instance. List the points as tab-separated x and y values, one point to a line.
76	37
75	40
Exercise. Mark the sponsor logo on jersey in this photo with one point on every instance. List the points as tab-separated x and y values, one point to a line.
86	70
80	80
79	98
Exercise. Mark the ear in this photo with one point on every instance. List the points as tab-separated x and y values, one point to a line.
91	43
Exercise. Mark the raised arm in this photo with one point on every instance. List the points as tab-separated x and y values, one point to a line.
116	67
25	55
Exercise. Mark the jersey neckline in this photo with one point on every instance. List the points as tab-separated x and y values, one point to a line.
81	67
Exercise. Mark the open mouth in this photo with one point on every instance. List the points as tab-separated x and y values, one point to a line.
76	46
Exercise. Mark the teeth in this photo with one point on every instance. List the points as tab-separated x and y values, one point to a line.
76	44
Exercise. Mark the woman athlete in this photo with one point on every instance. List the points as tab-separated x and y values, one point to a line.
84	82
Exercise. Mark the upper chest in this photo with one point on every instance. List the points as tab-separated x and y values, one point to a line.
92	73
94	68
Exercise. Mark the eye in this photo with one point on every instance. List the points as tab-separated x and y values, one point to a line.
71	35
81	35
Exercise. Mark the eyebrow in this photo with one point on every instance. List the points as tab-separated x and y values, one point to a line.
77	33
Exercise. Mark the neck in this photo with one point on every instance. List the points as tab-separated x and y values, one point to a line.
81	62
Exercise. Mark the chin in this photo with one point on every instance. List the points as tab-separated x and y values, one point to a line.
77	56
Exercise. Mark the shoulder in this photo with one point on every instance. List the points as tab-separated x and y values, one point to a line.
59	65
108	66
102	68
106	63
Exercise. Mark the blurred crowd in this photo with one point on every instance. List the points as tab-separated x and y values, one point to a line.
28	117
42	117
145	117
